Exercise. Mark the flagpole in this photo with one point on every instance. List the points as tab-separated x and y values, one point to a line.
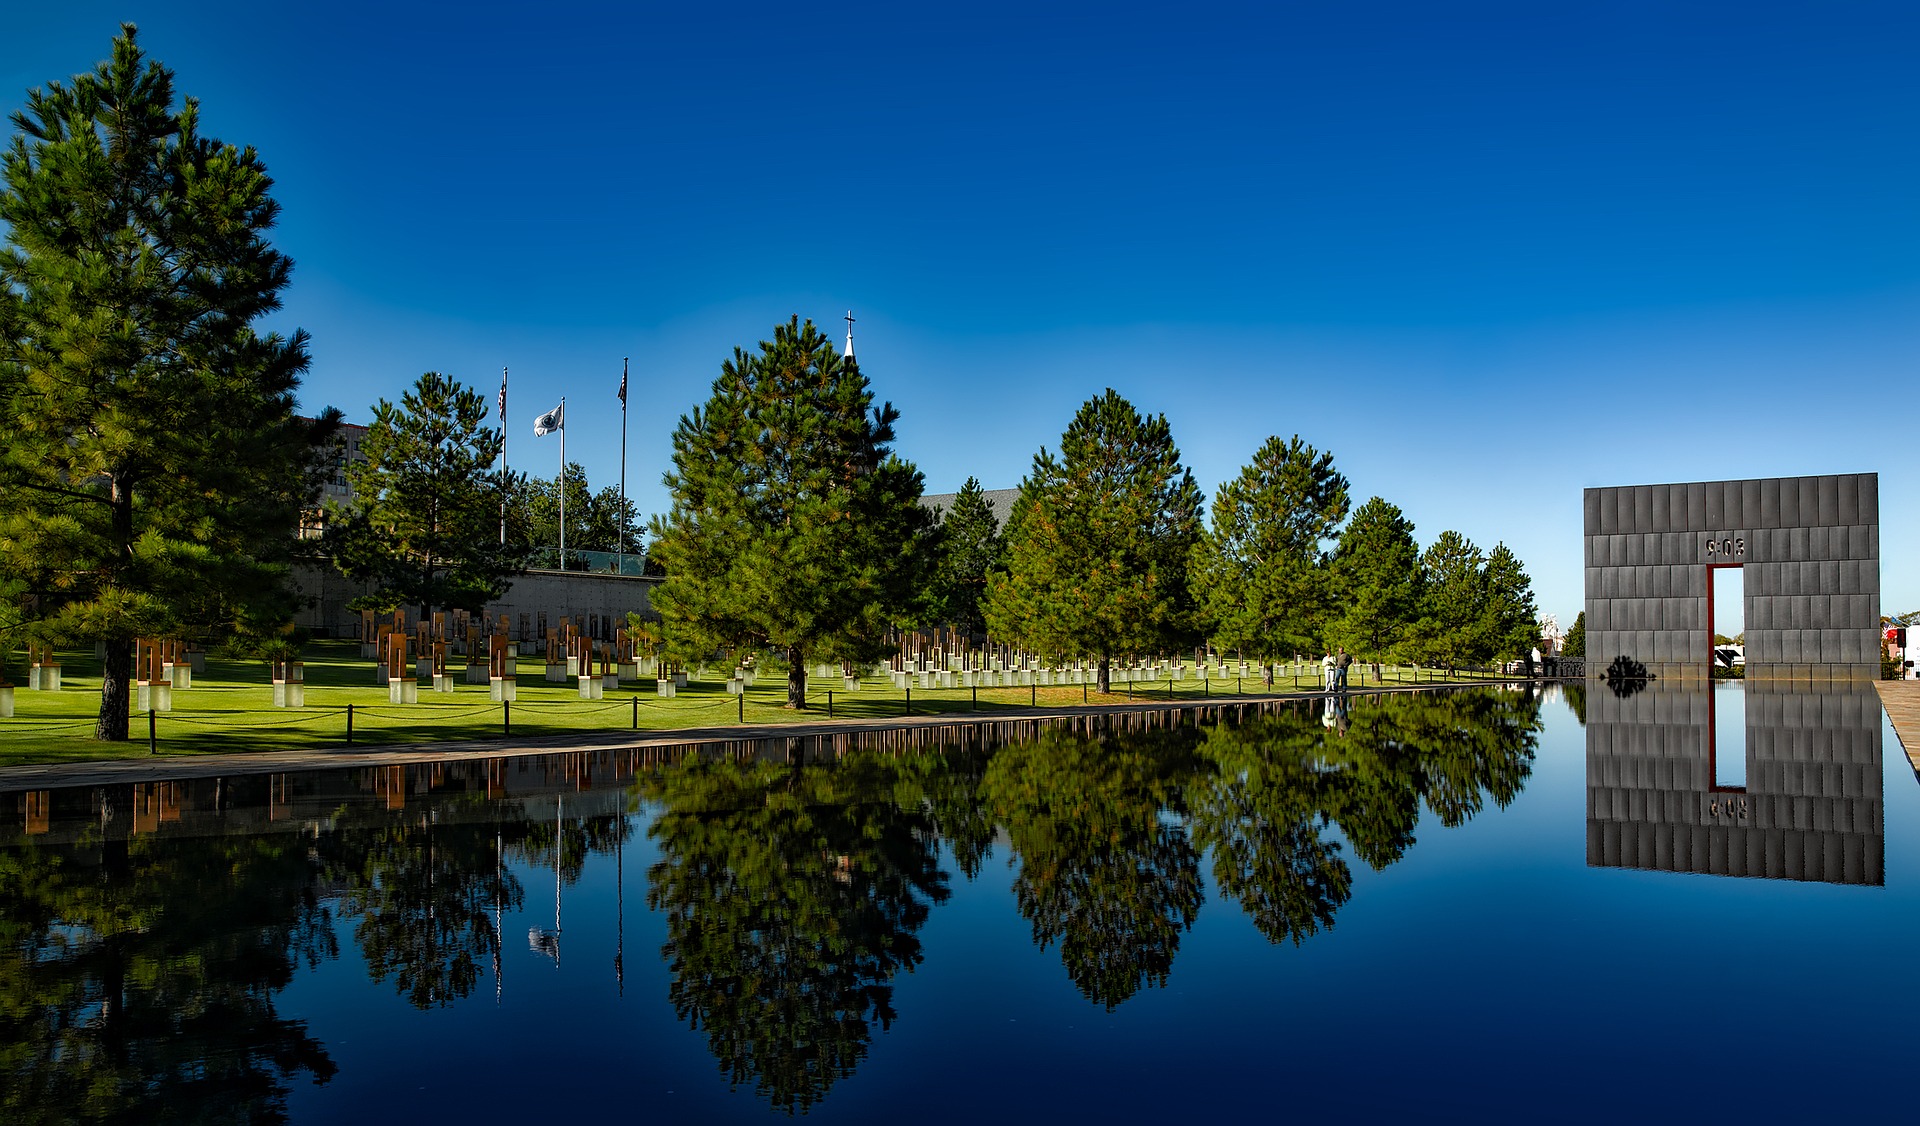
563	482
503	454
620	544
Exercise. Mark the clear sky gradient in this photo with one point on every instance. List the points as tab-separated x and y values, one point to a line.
1487	254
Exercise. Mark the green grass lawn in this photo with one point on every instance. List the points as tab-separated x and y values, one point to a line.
229	708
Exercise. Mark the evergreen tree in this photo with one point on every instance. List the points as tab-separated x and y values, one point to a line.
594	520
425	526
970	549
1575	643
1097	544
1452	603
793	524
153	470
1376	571
1509	621
1260	575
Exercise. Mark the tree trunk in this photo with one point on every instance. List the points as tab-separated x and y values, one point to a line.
116	676
796	680
1106	673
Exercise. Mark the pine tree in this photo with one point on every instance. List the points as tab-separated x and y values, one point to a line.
153	470
1376	571
425	525
1453	602
593	520
1509	621
1260	575
1575	644
1097	544
794	527
970	549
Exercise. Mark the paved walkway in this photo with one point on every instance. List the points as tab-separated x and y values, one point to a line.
1901	698
167	767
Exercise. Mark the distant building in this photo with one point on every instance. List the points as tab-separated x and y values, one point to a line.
335	487
999	500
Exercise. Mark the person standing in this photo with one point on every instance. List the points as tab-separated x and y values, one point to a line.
1326	671
1341	664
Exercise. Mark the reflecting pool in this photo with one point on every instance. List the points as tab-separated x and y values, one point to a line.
1469	906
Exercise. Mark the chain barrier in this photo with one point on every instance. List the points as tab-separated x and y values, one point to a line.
291	721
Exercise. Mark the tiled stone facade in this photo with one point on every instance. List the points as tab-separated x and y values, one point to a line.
1811	808
1810	553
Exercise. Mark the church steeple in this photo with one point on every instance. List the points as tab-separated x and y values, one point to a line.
849	352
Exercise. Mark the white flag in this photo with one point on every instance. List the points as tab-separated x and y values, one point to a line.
554	419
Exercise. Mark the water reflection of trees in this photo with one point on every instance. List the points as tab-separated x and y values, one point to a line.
1105	866
1278	786
142	975
422	895
138	980
792	897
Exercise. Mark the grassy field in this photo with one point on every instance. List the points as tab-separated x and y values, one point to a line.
229	708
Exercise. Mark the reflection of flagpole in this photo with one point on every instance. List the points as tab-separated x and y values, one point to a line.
496	915
548	941
620	910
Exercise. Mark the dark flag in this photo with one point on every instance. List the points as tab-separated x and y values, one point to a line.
623	383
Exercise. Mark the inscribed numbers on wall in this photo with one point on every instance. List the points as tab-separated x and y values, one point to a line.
1728	808
1732	548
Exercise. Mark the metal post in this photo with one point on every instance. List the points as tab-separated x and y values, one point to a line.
506	718
563	482
153	737
976	699
743	703
1205	689
829	703
1032	696
620	544
636	713
909	699
349	725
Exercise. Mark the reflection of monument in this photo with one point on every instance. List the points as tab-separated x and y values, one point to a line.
1810	808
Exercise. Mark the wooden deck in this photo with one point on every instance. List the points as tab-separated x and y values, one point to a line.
1902	701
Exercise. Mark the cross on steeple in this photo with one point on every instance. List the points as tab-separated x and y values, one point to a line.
849	334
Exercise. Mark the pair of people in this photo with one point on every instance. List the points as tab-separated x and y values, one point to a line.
1335	666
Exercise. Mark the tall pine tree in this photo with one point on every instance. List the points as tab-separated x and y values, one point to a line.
153	469
1260	574
425	525
1376	572
1097	544
970	549
794	527
1452	603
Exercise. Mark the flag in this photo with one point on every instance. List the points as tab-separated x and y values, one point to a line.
554	419
623	383
503	396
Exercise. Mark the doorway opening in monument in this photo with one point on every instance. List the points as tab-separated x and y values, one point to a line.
1727	695
1727	620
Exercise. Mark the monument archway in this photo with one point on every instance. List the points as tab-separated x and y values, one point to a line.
1808	549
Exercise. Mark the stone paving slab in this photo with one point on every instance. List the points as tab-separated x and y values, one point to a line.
164	767
1901	698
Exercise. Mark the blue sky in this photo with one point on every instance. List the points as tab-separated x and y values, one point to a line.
1487	254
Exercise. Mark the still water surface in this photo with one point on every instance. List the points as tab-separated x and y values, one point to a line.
1491	905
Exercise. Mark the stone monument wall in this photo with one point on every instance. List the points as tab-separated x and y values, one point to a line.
1809	548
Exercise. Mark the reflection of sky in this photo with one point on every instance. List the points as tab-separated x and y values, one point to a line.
1494	933
1729	601
1488	257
